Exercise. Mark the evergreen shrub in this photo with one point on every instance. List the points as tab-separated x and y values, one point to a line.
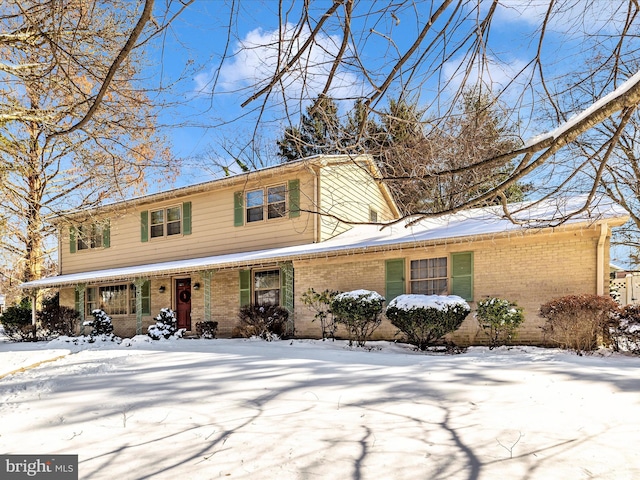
499	319
360	312
101	326
55	320
426	319
16	321
320	303
166	326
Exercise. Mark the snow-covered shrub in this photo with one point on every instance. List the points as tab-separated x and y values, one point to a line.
577	322
320	303
166	325
101	327
625	330
268	322
207	329
426	319
360	311
101	323
499	319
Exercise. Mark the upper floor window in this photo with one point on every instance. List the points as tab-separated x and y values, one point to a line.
89	235
164	222
167	221
429	276
266	203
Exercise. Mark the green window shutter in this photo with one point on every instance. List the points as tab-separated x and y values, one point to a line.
72	239
462	275
294	198
186	218
106	235
245	287
146	298
238	209
394	278
144	226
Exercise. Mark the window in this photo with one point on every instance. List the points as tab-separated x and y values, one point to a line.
275	203
268	203
85	237
165	222
373	216
266	287
255	206
117	299
429	276
89	236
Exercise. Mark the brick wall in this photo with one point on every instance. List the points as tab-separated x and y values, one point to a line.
529	269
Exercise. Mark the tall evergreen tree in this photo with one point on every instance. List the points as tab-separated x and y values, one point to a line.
415	149
319	132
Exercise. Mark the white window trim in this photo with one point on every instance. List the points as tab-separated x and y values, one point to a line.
165	222
265	204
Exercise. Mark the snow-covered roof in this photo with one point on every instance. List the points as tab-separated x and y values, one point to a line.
467	225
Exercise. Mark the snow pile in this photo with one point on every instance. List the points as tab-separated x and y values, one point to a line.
361	295
438	302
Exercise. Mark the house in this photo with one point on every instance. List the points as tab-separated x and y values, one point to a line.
265	237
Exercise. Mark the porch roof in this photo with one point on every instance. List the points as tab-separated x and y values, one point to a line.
468	225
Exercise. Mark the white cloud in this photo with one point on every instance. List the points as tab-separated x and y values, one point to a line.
493	74
569	18
257	57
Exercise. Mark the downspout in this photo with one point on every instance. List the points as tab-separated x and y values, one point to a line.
316	199
600	257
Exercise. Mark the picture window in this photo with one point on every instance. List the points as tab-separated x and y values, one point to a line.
429	276
266	287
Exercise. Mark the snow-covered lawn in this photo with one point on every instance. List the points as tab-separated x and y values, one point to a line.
201	409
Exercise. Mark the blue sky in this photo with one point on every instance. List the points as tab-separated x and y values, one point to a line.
198	39
209	123
209	95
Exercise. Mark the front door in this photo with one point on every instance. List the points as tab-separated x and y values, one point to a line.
183	303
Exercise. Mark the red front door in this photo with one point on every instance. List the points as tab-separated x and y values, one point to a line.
183	303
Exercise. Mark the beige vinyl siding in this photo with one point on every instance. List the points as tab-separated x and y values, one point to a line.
349	191
212	230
